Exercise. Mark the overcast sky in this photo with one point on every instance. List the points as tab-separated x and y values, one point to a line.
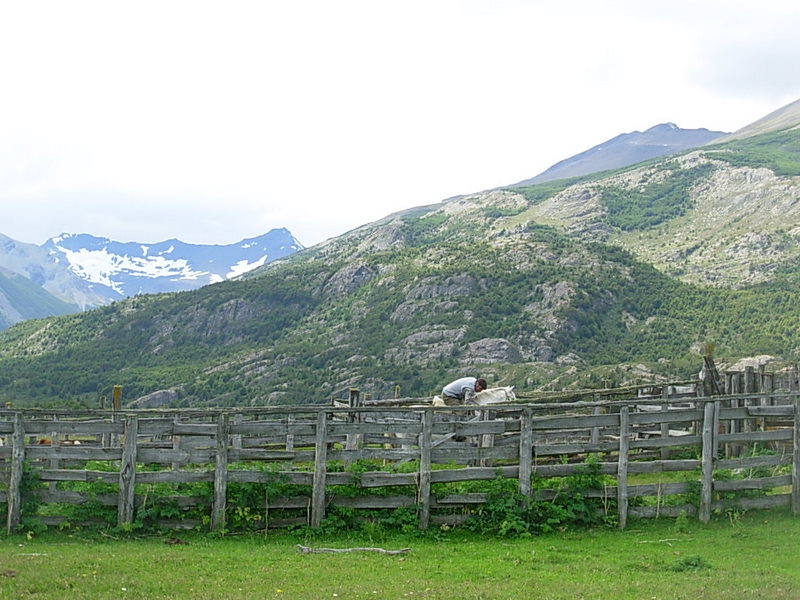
216	121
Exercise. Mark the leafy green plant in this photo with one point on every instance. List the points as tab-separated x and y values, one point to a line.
508	513
689	563
29	488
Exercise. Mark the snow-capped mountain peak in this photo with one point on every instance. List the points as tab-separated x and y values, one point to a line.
130	268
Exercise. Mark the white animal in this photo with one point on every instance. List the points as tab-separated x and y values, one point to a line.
495	395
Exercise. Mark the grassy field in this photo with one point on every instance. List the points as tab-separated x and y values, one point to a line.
754	555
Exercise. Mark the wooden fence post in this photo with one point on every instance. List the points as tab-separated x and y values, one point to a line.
424	489
14	492
220	474
796	457
710	419
289	436
354	440
526	452
486	439
236	438
664	451
622	467
127	473
176	441
596	411
749	388
54	462
320	470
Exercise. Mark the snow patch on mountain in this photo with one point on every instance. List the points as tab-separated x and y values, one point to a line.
101	266
243	266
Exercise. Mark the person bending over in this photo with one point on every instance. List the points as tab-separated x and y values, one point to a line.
463	390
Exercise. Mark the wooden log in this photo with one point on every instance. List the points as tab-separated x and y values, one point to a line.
424	487
526	453
306	550
220	474
14	493
320	469
707	461
127	473
622	470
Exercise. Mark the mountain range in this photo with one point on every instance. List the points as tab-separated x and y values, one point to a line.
75	272
79	271
598	280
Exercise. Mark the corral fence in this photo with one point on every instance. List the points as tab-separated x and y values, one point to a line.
415	450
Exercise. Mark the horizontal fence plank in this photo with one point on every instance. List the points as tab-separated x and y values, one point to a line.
660	466
72	427
668	442
757	436
656	418
759	483
758	502
771	411
748	462
82	453
651	512
372	502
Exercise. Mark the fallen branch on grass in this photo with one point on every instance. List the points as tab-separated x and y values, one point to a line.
307	550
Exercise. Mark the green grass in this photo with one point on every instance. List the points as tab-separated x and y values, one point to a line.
750	556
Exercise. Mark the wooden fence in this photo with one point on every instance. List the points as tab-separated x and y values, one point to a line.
710	438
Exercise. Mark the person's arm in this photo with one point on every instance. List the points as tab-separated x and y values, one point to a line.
469	394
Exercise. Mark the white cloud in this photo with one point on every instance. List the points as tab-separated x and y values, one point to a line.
212	122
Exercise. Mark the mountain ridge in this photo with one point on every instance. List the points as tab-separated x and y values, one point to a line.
624	150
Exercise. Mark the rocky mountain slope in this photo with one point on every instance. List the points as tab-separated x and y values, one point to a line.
734	221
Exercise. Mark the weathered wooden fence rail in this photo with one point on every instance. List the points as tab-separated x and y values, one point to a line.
438	446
